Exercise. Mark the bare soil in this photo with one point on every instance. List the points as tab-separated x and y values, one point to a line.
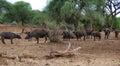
93	53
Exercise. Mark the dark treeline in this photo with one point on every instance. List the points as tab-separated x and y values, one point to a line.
80	14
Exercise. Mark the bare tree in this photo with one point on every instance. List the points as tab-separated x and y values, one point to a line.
112	8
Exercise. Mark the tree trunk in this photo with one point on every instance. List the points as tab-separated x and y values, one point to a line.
22	22
75	25
106	20
113	21
75	22
91	26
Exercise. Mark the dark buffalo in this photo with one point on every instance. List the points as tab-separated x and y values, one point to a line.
79	34
117	33
107	32
37	34
89	33
96	34
9	35
68	35
72	36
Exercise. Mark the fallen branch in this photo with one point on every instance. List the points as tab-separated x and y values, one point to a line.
20	57
26	56
2	55
68	48
67	53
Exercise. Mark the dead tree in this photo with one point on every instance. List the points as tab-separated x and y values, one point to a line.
67	53
112	8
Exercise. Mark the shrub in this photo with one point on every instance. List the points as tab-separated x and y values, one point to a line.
54	36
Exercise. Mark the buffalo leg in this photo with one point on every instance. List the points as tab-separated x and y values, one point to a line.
107	36
11	41
37	40
45	39
77	38
2	39
84	37
69	38
116	35
91	36
94	38
99	38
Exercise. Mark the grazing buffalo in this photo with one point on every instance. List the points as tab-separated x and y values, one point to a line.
117	33
9	35
89	33
107	32
79	34
37	34
96	34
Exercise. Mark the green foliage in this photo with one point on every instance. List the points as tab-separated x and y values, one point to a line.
5	7
80	25
1	19
36	17
11	15
68	9
109	21
39	18
23	10
54	9
117	23
93	13
23	13
69	13
96	17
19	12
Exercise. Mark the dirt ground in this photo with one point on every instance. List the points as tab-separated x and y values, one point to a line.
92	53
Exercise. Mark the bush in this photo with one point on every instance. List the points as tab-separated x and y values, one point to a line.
64	26
54	36
80	26
14	23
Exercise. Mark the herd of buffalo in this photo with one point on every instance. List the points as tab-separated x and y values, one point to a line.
89	33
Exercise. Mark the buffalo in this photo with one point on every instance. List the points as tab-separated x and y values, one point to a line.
89	33
68	35
79	34
9	35
96	34
37	34
117	33
107	32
